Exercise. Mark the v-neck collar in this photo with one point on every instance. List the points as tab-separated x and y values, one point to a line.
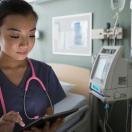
24	78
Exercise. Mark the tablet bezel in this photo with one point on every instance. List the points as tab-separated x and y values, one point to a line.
51	118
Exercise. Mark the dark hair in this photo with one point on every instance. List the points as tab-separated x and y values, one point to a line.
14	7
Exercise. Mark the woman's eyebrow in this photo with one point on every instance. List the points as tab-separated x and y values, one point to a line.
33	29
14	29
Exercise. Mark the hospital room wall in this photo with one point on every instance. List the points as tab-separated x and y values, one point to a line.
101	12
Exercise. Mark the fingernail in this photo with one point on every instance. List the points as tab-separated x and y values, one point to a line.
22	124
46	115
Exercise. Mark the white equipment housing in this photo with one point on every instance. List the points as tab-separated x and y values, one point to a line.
109	77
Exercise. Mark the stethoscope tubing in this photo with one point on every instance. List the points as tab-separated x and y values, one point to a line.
33	77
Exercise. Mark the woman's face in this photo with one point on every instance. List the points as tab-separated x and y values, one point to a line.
17	36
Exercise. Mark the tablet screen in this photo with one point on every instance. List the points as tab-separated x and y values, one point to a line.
51	118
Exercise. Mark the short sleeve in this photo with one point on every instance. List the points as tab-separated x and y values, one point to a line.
55	90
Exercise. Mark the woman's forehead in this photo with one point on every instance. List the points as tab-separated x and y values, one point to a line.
27	22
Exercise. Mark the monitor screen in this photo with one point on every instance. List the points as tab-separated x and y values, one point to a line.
101	69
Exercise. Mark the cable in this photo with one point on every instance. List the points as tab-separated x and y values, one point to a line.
106	118
127	99
127	115
115	26
36	117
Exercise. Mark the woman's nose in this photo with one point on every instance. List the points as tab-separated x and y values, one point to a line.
24	42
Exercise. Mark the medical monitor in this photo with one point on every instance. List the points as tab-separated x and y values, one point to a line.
108	79
100	71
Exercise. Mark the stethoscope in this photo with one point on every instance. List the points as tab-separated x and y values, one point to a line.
33	77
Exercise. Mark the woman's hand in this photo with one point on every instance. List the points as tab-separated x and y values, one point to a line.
54	126
7	121
48	127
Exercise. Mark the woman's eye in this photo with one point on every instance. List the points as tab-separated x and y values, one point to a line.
14	37
32	36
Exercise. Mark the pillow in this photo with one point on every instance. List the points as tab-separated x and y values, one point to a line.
67	86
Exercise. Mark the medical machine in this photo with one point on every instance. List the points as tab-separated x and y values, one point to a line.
111	76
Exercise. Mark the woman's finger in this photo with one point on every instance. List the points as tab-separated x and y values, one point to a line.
13	117
49	111
6	126
46	127
56	124
34	129
27	131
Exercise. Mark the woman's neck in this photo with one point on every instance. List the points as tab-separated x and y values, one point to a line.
13	69
8	62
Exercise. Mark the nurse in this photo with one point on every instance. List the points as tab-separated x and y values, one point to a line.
28	88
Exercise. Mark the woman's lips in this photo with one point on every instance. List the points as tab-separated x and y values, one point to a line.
22	53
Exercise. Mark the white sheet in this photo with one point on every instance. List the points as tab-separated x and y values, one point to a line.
73	121
71	101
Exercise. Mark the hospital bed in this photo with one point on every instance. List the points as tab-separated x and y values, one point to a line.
74	81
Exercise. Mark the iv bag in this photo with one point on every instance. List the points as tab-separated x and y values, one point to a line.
117	5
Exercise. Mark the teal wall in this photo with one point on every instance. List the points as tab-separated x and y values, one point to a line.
102	13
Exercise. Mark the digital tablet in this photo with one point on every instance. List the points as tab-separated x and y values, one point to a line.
51	118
